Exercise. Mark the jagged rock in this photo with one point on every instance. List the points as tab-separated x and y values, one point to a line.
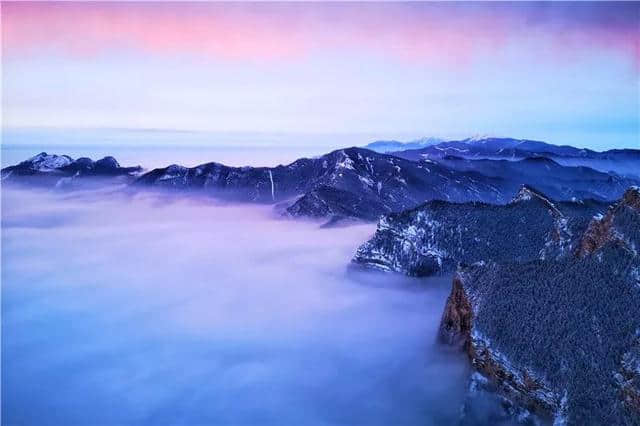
455	326
602	229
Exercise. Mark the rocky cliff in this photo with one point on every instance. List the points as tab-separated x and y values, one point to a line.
559	337
604	230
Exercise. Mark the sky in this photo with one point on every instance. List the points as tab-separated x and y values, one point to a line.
559	72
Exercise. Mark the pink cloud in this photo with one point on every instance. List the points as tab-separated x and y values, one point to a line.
451	33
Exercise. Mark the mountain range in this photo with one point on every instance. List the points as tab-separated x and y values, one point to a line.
620	161
386	146
346	184
50	170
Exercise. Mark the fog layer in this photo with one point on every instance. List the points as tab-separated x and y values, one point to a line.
147	310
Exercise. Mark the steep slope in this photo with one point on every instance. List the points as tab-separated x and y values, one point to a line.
621	161
437	236
50	170
560	336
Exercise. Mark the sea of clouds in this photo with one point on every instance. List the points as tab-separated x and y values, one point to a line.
156	310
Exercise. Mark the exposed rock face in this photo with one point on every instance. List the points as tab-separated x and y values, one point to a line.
517	384
455	326
50	170
602	229
559	337
437	236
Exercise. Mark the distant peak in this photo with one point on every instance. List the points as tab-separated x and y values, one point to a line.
44	161
479	138
384	146
527	193
38	156
175	168
108	162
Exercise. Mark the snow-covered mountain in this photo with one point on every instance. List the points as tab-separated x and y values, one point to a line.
386	146
621	161
351	183
51	170
363	184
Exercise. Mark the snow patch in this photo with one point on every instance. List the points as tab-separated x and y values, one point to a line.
273	193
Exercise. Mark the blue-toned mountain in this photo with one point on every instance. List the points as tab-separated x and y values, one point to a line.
621	161
346	184
50	170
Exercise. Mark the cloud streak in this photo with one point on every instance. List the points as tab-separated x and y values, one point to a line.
432	32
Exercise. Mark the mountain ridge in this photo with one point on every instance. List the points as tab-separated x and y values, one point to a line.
351	183
622	161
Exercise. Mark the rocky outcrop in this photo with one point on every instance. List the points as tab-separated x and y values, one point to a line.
596	236
455	326
602	230
518	385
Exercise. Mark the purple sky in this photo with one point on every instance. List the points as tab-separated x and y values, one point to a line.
565	73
